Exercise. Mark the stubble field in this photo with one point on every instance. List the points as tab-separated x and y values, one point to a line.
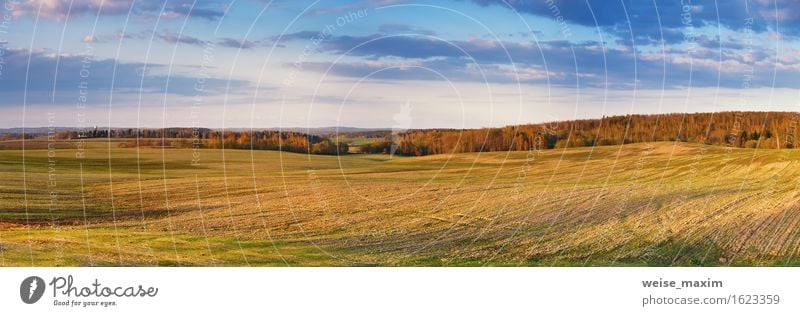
658	204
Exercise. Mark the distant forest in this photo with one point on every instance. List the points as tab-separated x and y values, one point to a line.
734	129
208	138
767	130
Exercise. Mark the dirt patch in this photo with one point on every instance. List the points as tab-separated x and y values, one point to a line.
9	225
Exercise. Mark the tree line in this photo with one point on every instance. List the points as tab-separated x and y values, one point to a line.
208	138
769	130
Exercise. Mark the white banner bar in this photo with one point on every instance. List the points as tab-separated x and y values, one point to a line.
399	291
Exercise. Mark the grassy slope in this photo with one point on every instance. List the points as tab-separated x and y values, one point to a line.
642	204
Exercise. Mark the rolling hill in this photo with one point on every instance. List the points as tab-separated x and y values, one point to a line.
656	204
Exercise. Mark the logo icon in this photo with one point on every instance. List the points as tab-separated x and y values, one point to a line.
31	289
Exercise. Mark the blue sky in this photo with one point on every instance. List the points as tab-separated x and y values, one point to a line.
460	63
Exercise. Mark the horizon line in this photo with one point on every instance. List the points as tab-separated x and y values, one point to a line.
274	128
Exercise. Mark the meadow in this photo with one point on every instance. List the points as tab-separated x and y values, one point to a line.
643	204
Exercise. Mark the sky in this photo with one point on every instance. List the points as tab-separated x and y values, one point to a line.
389	63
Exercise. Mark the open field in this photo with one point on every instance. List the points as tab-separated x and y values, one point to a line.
657	204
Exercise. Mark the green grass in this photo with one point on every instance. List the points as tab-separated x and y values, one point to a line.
656	204
358	141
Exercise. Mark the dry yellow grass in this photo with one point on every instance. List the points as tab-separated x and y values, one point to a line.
642	204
